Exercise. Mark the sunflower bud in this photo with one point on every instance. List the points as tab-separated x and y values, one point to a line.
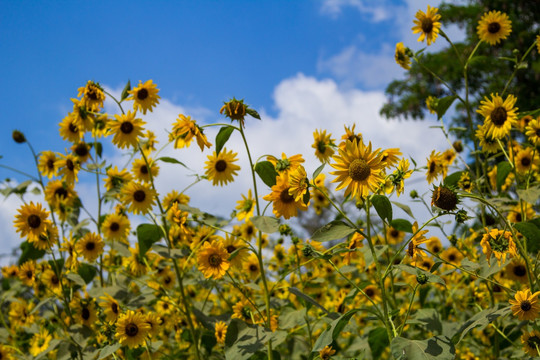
458	146
285	229
308	251
422	279
461	216
413	194
444	198
18	137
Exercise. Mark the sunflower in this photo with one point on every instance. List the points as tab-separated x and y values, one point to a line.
100	125
116	178
431	104
326	353
299	183
516	270
525	306
524	160
111	308
499	243
499	115
521	212
358	168
27	273
40	342
533	131
252	267
237	250
81	118
126	129
68	168
394	236
355	242
452	255
90	246
373	292
46	164
155	323
58	193
243	310
175	197
487	142
283	203
434	245
184	130
32	220
399	175
213	260
220	168
93	96
139	198
69	130
84	311
116	227
245	207
531	343
402	56
143	172
145	96
286	164
132	329
465	183
427	24
220	332
323	145
51	282
82	151
493	27
435	166
350	135
6	353
413	249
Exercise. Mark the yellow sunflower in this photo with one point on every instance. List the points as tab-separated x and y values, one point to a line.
435	166
90	246
32	220
358	168
220	332
81	118
175	197
116	227
242	310
252	267
220	169
184	130
402	56
516	270
40	342
525	305
299	183
524	160
465	183
145	96
132	329
46	164
27	273
533	131
521	212
82	151
323	145
213	260
487	142
413	249
110	307
286	164
283	203
245	207
143	172
139	198
531	343
58	193
427	24
326	353
51	282
499	243
499	115
116	178
6	353
493	27
68	168
394	236
126	129
93	96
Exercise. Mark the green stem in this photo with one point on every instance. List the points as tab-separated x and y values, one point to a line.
408	310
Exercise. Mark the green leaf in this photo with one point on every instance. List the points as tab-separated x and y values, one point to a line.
307	298
253	113
318	171
108	350
243	340
266	224
401	225
289	319
332	333
171	160
334	230
383	207
430	318
531	231
266	172
221	138
443	104
125	92
29	252
99	149
530	195
452	179
432	278
378	341
482	319
87	272
147	235
435	348
77	279
503	169
404	207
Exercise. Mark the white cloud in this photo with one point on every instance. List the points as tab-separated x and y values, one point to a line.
379	12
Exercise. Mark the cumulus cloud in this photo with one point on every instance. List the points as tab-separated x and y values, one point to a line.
379	12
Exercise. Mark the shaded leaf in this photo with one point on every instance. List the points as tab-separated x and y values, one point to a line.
266	172
332	231
171	160
253	113
147	235
383	207
482	319
503	169
318	171
87	272
530	195
435	348
378	341
443	104
266	224
125	91
531	231
307	298
452	179
401	225
221	138
29	252
332	332
404	207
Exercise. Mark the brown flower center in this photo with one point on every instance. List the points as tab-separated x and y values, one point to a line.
230	249
90	246
142	94
494	27
50	164
285	197
144	169
359	170
114	307
519	270
34	221
220	166
214	260
73	128
139	195
114	226
126	127
525	161
85	314
427	25
499	116
55	280
61	192
132	329
526	305
81	150
70	165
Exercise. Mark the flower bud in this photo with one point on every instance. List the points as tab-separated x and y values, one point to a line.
422	279
18	137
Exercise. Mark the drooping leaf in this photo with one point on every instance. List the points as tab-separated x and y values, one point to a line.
171	160
383	207
266	224
318	171
253	113
266	172
332	333
223	135
147	235
404	207
332	231
435	348
378	341
530	195
443	104
503	169
125	91
307	298
401	225
531	231
481	319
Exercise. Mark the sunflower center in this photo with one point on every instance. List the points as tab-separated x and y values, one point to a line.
410	249
394	233
73	128
220	166
249	230
90	246
285	197
214	260
54	280
85	314
436	249
498	116
427	25
533	342
520	270
253	268
81	150
132	329
61	192
139	195
126	127
537	132
50	164
70	165
369	292
321	146
518	217
167	280
432	166
92	94
452	257
29	274
142	94
525	161
114	307
230	249
526	305
499	244
494	27
359	170
144	169
34	221
114	226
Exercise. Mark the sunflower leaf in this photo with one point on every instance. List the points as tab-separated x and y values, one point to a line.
307	298
452	179
531	231
332	333
318	171
435	348
221	138
482	319
266	172
125	92
503	169
266	224
171	160
401	225
147	235
383	207
29	252
87	272
443	104
332	231
378	341
253	113
404	207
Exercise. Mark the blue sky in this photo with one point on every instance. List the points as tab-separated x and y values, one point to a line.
303	64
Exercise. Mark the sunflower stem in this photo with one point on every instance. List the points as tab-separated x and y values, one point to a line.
402	327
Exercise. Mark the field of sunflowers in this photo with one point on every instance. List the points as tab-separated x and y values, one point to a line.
183	283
